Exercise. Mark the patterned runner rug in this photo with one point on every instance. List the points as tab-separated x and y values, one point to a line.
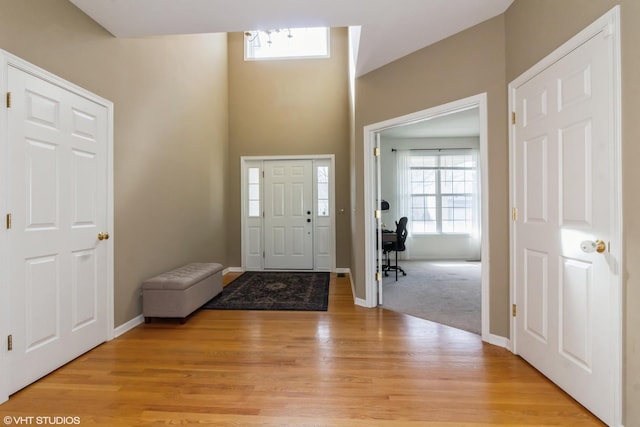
269	290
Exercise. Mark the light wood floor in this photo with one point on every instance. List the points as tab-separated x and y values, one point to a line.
349	366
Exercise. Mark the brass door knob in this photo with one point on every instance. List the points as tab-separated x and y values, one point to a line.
103	236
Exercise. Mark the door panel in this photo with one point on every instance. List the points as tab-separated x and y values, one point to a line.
84	288
575	174
42	287
536	293
575	330
288	214
58	199
42	184
84	180
536	171
563	184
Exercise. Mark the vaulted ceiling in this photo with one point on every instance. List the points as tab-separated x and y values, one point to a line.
389	29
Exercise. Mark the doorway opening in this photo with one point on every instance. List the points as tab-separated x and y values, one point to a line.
457	222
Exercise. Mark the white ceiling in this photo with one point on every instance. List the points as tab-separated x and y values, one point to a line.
390	29
459	123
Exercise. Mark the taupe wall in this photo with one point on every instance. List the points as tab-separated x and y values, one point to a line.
535	29
463	65
289	108
170	103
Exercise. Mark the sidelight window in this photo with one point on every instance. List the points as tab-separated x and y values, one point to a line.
322	180
253	183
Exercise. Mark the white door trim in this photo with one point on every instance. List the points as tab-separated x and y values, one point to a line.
244	160
371	203
610	24
6	60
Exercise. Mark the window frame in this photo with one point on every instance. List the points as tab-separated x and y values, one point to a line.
439	195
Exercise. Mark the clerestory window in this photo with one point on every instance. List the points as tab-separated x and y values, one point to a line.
286	43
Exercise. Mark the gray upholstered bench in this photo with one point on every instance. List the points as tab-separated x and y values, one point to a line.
180	292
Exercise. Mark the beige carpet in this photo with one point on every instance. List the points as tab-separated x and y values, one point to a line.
447	292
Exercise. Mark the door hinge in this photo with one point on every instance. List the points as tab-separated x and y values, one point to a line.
376	151
514	214
514	310
513	117
377	213
378	277
8	99
9	221
10	342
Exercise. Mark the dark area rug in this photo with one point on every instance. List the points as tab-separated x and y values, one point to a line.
269	290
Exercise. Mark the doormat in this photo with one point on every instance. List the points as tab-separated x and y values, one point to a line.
270	290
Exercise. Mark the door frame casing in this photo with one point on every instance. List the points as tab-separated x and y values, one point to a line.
244	160
6	60
610	24
371	203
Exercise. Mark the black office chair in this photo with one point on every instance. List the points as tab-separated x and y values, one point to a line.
396	246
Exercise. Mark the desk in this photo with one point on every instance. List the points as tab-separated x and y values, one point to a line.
389	236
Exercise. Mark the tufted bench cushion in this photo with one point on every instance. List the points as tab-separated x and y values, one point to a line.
180	292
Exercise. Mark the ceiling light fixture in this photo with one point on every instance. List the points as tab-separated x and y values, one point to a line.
254	37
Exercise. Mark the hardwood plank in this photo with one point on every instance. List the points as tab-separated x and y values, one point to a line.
349	366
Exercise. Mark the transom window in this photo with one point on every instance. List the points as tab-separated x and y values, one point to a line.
443	192
286	43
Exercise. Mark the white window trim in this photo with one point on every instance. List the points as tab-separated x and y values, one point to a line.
439	194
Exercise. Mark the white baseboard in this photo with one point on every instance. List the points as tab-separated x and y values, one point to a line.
361	302
126	327
240	270
497	340
357	301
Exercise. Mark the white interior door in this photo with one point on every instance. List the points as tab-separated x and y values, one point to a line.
563	183
58	203
288	214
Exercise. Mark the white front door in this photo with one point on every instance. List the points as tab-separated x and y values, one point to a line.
288	214
58	203
563	183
